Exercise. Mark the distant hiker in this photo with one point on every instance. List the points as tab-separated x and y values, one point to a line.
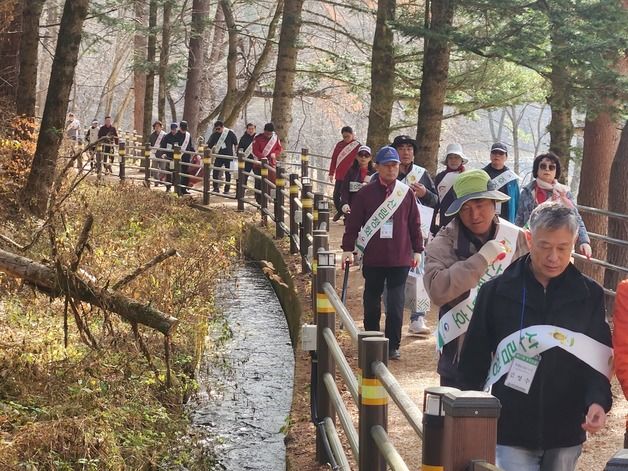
545	187
505	180
91	137
245	146
155	139
356	177
108	131
266	145
168	142
223	141
341	159
187	148
74	136
454	162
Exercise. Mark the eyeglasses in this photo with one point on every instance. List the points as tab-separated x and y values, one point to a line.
547	167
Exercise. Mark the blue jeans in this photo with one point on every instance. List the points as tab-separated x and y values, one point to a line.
514	458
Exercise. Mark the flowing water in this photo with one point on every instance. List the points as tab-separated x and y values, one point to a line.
246	378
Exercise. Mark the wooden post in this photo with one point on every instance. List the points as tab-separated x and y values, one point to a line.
373	401
306	224
294	226
207	158
99	149
240	187
434	426
280	184
305	163
320	243
122	154
323	214
147	164
326	364
317	200
176	179
264	187
470	428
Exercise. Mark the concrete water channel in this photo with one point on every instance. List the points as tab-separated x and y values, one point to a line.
246	377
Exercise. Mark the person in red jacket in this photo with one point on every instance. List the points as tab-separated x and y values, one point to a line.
343	156
620	335
266	145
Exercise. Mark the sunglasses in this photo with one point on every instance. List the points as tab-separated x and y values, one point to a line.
364	155
547	167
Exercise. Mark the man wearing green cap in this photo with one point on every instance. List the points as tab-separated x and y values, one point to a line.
473	248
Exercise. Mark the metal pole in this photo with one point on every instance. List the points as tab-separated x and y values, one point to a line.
305	163
373	402
207	159
306	225
326	318
434	426
264	200
177	169
294	227
240	188
323	214
320	242
280	183
122	154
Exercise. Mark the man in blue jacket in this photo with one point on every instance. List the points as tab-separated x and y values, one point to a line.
505	180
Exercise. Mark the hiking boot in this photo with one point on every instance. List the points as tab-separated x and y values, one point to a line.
394	354
419	327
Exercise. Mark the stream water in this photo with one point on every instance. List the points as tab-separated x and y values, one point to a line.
246	377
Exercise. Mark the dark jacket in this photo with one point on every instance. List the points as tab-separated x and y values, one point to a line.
245	141
564	387
168	142
353	175
430	198
395	252
230	142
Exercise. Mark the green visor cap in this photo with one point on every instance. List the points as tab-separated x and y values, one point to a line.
474	185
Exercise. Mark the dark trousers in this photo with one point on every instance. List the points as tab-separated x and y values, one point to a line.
221	162
337	201
248	167
395	280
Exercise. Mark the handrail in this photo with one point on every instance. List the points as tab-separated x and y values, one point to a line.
343	415
601	263
336	445
342	311
401	398
601	212
343	364
391	455
608	240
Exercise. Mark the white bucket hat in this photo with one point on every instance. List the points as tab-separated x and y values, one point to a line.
455	148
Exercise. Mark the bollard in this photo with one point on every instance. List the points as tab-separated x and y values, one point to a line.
619	462
147	164
99	161
323	215
264	187
317	200
373	401
434	427
176	179
326	319
280	183
207	158
320	243
240	187
470	428
294	226
306	224
122	154
305	163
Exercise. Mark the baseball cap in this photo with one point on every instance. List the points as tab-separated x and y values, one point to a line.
403	139
387	154
366	149
500	146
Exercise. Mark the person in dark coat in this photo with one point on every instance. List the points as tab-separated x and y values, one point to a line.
223	141
539	337
185	141
111	134
245	146
356	177
168	142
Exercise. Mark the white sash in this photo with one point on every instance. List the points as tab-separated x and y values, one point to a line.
269	145
248	150
186	141
504	178
414	176
446	183
455	322
381	215
221	140
344	153
536	339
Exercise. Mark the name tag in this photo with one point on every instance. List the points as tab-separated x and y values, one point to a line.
522	372
169	146
354	186
386	232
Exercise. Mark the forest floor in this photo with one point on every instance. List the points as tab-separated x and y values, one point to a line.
416	370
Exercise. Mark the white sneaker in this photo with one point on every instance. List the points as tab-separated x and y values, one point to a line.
419	327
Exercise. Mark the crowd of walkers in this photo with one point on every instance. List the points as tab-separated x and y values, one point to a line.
515	316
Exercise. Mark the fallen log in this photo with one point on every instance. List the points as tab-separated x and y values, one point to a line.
56	284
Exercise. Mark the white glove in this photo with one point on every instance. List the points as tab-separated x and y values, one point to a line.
416	259
491	251
345	208
347	256
585	249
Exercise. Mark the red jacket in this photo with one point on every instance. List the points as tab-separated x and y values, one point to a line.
406	239
620	335
259	143
341	170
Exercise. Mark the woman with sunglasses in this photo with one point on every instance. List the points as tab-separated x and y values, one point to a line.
543	187
356	177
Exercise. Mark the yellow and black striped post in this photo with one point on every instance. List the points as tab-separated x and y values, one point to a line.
122	154
373	401
320	243
241	187
147	165
264	187
433	427
306	224
326	316
207	159
280	184
176	173
294	226
317	199
305	163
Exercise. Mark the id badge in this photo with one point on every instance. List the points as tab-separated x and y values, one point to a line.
386	232
522	372
354	186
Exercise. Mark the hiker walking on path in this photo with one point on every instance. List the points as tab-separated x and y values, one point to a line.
155	139
454	162
342	158
184	139
245	146
539	338
266	145
108	131
505	180
223	141
356	177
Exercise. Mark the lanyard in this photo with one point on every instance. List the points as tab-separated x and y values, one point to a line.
523	311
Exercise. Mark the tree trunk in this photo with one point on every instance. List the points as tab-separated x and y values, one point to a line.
10	38
192	103
151	53
163	62
618	203
434	84
49	281
382	76
281	114
29	48
139	64
40	179
232	57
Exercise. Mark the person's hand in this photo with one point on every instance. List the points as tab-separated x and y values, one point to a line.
595	419
419	189
345	208
492	251
347	256
331	177
585	249
416	259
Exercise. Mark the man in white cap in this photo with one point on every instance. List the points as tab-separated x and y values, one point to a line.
454	162
505	180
